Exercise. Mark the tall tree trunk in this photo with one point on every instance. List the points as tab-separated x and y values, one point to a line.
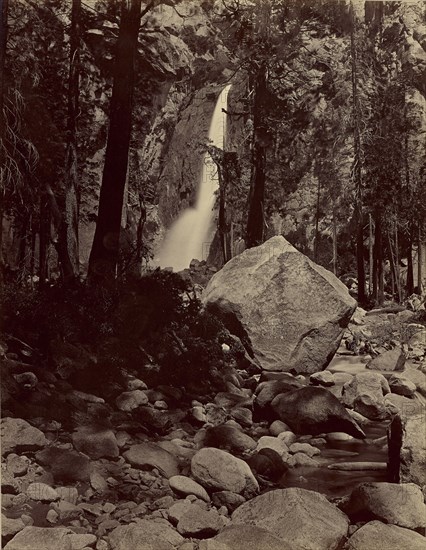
419	263
410	274
3	44
317	215
378	272
334	240
68	245
256	214
370	254
230	176
357	167
104	255
255	231
44	239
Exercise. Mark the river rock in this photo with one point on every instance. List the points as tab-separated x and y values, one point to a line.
313	410
136	536
269	464
305	448
94	443
365	394
186	486
302	460
301	519
391	360
200	523
324	378
130	400
378	536
266	391
218	470
407	448
278	427
370	383
82	541
18	436
65	465
401	385
41	538
229	438
243	416
42	492
416	376
149	455
17	465
228	499
247	537
288	310
274	443
10	526
399	504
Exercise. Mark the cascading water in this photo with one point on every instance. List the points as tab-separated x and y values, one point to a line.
190	236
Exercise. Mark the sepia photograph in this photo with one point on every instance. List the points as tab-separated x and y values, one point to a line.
213	274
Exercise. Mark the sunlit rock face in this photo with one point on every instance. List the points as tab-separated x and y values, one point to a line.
288	310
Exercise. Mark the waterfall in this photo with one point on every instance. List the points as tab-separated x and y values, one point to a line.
191	234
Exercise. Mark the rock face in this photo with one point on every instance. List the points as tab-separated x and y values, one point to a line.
313	410
290	311
407	448
385	537
303	520
218	470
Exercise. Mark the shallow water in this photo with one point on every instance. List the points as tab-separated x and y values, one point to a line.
338	483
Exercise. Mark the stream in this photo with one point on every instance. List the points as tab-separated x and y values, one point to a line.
337	483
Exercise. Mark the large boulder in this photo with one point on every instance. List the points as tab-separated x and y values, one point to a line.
303	520
407	447
41	538
290	312
218	470
137	536
245	537
399	504
313	410
380	536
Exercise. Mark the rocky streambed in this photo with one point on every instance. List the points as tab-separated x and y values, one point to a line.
216	474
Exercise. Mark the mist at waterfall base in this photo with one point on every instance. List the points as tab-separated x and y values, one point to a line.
190	236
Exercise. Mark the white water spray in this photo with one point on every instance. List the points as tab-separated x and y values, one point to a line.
190	236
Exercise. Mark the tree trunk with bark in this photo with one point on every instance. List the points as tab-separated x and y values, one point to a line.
357	167
3	44
68	245
104	255
256	215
